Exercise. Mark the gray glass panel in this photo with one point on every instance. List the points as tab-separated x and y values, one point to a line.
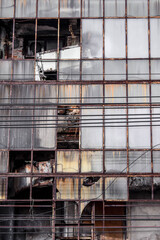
47	8
156	161
69	94
92	70
115	70
23	71
138	70
25	8
70	8
140	162
92	94
138	93
154	7
116	188
3	161
92	38
114	8
137	8
92	8
6	8
116	161
69	70
155	69
155	37
5	70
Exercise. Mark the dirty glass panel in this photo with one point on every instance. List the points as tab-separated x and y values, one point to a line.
114	8
24	42
94	190
67	188
19	187
156	161
69	70
140	187
116	188
155	89
138	70
45	137
92	8
138	93
156	187
5	70
3	161
23	70
139	132
91	137
91	161
47	8
92	38
115	128
3	193
25	8
4	113
70	8
92	94
69	94
21	137
67	161
137	38
115	93
140	161
115	46
154	7
6	32
115	161
137	8
115	70
155	69
155	37
92	70
6	8
155	127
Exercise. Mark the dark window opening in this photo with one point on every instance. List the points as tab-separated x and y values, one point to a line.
6	31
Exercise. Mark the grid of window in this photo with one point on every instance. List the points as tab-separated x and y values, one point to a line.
79	110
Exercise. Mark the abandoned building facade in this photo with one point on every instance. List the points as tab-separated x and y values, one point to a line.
79	119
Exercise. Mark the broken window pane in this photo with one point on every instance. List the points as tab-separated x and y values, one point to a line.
155	8
92	94
139	162
46	69
114	8
25	8
69	70
47	38
92	38
138	70
91	161
138	93
45	137
20	161
47	8
92	70
6	32
6	8
43	161
6	70
137	38
91	187
91	137
3	161
68	127
70	8
23	70
116	161
20	137
155	37
67	188
139	134
19	187
138	8
67	161
115	46
24	43
115	128
156	187
41	184
93	8
156	161
3	193
69	39
155	66
140	187
115	70
116	188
